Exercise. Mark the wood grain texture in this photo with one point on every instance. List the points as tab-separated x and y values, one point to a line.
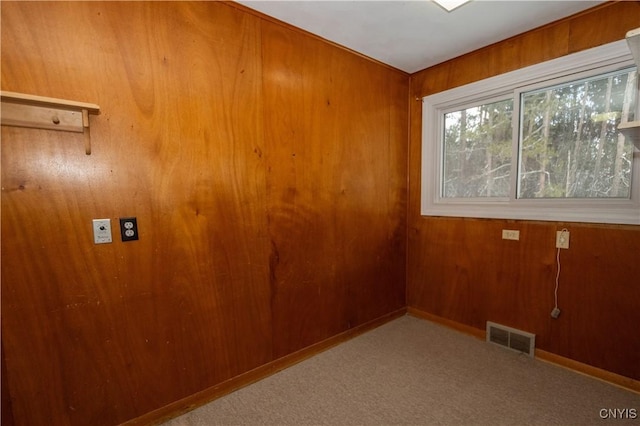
108	332
462	270
246	253
7	410
336	162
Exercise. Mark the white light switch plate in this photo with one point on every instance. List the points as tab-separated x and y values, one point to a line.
102	231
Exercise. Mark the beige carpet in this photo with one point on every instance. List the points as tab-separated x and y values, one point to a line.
413	372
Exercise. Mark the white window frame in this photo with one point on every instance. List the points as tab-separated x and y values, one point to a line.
593	61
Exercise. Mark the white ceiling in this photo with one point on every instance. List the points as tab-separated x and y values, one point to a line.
414	35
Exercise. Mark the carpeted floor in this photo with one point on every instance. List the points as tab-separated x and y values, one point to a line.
414	372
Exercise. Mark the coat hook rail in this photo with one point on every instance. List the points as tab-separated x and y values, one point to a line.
41	112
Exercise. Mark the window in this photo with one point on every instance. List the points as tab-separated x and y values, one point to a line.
538	143
477	151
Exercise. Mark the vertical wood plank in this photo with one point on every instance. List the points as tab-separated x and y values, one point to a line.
7	409
335	153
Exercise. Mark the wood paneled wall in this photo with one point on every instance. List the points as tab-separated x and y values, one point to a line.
461	269
267	171
329	179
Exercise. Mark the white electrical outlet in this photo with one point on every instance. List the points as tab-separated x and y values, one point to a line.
102	231
562	239
510	234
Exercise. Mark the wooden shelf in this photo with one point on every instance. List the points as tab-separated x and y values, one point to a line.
40	112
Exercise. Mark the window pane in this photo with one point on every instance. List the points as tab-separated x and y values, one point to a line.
477	151
570	146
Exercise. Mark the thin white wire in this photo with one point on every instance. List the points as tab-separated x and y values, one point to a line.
555	293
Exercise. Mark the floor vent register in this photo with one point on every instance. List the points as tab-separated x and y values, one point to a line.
511	338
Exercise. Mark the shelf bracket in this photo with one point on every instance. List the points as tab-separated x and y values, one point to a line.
40	112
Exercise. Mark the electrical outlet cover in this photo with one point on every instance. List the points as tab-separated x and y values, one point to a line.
562	239
128	228
510	234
